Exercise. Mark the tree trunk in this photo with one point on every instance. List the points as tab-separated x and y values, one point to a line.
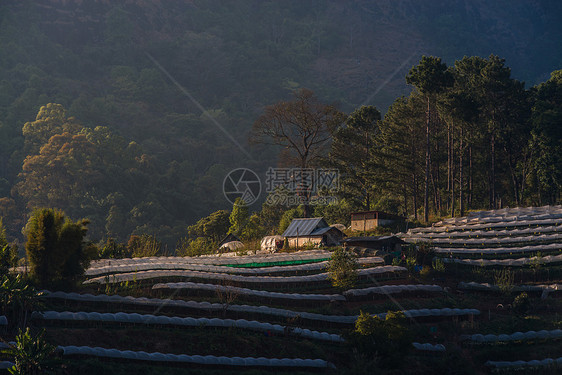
415	190
469	204
452	171
492	181
461	153
427	166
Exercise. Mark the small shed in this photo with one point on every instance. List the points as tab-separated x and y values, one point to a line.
228	238
368	220
383	243
312	231
232	246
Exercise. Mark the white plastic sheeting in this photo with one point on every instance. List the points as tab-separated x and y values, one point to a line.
501	250
265	310
534	363
134	318
194	359
429	347
124	268
248	292
485	233
491	241
507	214
143	275
520	262
219	259
517	336
269	243
486	287
393	289
474	227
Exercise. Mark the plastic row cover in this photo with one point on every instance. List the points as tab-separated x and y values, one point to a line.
249	292
490	241
521	262
3	320
519	211
220	259
392	289
206	306
530	213
134	318
472	227
265	310
157	265
500	250
429	347
195	359
534	363
143	275
204	268
488	233
517	336
4	365
486	287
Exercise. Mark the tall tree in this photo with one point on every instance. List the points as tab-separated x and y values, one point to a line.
304	127
430	77
546	139
238	217
350	153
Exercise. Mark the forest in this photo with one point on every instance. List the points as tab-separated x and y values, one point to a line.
90	125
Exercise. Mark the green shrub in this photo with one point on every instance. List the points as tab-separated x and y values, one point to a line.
342	269
521	303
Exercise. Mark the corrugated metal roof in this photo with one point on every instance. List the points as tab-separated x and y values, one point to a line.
304	227
321	231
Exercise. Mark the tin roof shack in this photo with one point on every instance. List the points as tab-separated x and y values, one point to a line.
312	231
230	243
388	244
368	220
228	238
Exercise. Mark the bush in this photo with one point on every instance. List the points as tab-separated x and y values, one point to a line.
143	246
342	269
390	338
32	355
113	250
438	265
521	303
504	280
196	247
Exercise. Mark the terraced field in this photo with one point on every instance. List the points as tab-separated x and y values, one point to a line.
278	313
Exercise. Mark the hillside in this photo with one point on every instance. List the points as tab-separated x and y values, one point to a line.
100	61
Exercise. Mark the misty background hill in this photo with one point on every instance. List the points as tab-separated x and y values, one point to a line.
104	62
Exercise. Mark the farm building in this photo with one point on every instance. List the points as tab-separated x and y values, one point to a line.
229	238
367	220
313	230
230	243
383	243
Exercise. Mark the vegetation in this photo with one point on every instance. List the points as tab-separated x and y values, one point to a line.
32	354
342	269
55	249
